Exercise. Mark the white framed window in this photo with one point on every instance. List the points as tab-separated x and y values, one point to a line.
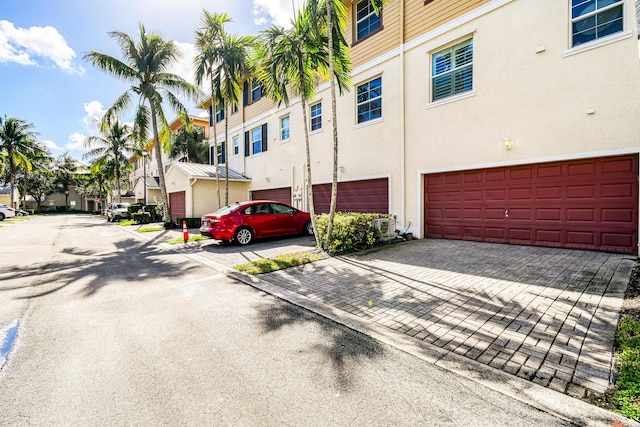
594	19
452	70
369	100
285	128
236	145
256	140
367	22
316	116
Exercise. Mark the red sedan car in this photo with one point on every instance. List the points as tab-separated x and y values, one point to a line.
243	222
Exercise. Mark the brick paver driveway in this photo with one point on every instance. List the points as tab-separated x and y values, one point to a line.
543	314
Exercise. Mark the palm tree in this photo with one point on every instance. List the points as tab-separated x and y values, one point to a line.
209	38
115	144
18	142
293	59
190	143
336	42
144	66
234	68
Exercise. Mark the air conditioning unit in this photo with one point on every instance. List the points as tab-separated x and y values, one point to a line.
386	227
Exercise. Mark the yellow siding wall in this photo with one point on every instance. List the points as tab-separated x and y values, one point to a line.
378	44
421	18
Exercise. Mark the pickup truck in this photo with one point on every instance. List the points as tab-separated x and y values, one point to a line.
117	211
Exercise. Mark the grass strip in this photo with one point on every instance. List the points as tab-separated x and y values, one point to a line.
278	262
627	393
149	229
181	240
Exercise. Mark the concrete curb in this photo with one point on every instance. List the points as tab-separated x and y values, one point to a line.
570	409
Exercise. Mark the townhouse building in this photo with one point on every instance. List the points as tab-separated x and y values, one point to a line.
510	121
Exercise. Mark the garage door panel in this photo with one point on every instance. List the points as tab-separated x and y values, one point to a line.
621	216
177	204
618	166
581	191
553	214
546	172
549	193
581	215
282	195
581	238
580	169
586	204
617	190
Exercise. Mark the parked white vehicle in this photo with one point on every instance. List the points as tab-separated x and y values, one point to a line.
6	212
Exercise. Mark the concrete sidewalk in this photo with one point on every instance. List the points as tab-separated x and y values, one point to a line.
492	312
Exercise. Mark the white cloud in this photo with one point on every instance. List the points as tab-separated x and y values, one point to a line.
76	142
24	45
50	145
184	63
278	12
95	111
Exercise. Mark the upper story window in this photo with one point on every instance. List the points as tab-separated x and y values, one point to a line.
593	19
251	92
255	141
219	113
452	70
218	152
316	116
369	100
367	22
236	145
284	128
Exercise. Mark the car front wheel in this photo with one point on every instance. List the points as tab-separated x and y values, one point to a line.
243	236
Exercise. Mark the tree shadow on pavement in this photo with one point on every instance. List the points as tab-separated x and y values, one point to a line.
342	347
131	260
553	325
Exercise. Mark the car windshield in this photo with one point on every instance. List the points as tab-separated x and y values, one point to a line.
226	209
122	205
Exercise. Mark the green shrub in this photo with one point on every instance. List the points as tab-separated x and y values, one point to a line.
134	207
627	394
352	232
141	217
191	222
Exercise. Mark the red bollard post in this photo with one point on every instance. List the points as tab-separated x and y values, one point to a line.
185	232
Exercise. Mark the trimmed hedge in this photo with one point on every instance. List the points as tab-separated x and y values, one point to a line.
352	232
191	222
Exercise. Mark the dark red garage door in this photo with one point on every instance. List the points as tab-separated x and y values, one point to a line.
282	195
585	204
177	205
369	196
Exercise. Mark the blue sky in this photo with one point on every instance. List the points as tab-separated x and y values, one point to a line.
45	81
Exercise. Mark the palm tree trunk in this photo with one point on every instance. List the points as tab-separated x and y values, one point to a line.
308	153
226	166
334	122
215	141
158	150
117	171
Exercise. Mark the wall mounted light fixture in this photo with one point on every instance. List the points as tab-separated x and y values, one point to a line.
508	143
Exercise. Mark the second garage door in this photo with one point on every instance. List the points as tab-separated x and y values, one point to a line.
282	195
367	196
586	204
177	204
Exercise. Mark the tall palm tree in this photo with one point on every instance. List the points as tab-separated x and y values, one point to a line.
293	59
115	144
209	38
144	66
18	142
333	21
234	68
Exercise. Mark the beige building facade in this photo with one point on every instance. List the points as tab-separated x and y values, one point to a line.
507	121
